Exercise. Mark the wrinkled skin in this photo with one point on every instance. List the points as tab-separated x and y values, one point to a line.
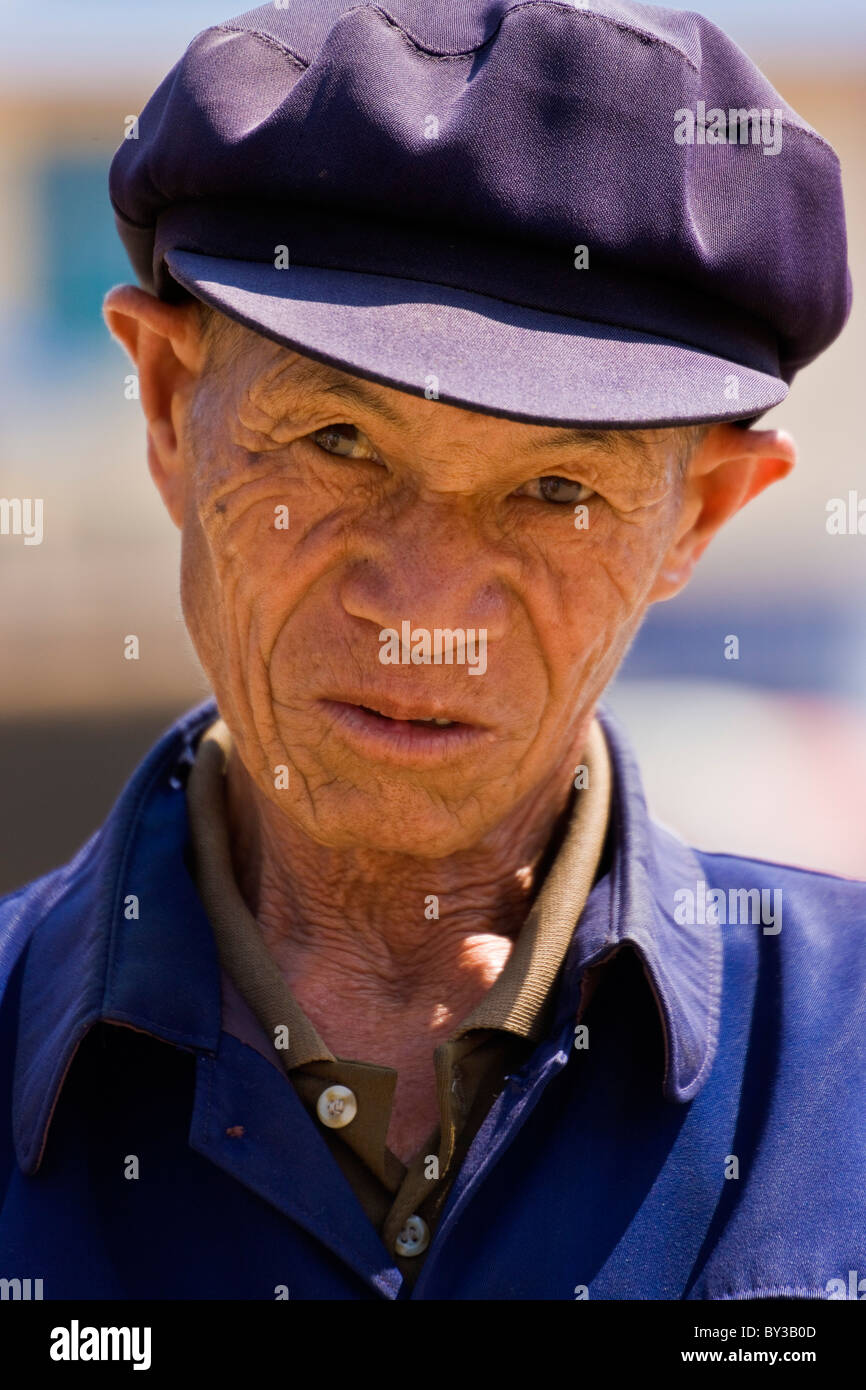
438	518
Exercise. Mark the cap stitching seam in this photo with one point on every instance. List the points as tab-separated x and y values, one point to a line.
464	53
631	29
268	39
304	64
525	5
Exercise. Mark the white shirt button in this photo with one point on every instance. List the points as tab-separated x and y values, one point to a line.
337	1106
414	1237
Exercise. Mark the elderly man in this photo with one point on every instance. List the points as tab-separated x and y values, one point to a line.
379	981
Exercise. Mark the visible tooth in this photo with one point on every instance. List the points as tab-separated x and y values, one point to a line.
443	721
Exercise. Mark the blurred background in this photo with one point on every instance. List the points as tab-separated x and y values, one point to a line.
764	755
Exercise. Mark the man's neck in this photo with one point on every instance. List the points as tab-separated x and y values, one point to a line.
383	947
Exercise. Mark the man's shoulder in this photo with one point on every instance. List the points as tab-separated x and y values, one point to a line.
818	889
810	914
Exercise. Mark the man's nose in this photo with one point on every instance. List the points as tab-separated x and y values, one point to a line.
432	565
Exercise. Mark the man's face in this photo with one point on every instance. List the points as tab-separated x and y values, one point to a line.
320	509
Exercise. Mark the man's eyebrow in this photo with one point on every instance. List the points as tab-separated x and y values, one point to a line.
357	392
609	441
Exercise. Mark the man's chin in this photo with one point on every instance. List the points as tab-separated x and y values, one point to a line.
405	820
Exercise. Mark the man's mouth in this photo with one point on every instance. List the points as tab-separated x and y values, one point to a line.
429	719
404	730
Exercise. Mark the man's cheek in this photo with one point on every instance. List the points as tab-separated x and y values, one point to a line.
624	563
251	542
599	587
219	596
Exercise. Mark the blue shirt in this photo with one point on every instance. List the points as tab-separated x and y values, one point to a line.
706	1143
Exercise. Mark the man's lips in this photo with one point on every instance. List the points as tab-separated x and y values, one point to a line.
405	709
389	729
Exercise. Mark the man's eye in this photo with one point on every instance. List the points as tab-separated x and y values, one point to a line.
553	489
345	440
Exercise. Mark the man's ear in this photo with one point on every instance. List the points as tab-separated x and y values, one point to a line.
729	467
165	344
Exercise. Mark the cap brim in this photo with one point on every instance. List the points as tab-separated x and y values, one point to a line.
481	353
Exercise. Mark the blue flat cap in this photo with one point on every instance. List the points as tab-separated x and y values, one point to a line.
590	214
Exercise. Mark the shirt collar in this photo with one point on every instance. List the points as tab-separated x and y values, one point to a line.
122	937
633	905
90	958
